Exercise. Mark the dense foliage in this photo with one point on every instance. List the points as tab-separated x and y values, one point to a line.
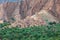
4	24
50	32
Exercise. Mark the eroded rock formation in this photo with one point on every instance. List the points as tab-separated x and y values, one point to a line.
26	13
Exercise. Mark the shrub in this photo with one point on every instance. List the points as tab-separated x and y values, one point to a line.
4	24
49	32
51	23
31	33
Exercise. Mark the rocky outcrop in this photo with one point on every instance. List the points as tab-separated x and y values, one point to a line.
28	12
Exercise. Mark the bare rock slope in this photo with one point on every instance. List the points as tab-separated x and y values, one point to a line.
30	12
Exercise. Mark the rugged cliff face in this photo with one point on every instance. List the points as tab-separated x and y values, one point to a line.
30	12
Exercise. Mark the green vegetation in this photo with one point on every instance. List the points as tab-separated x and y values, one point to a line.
50	32
4	24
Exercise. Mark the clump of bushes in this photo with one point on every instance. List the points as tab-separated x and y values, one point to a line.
4	24
51	23
49	32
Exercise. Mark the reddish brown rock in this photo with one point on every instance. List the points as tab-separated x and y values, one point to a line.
22	13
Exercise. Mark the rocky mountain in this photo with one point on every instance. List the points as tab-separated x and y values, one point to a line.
30	12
